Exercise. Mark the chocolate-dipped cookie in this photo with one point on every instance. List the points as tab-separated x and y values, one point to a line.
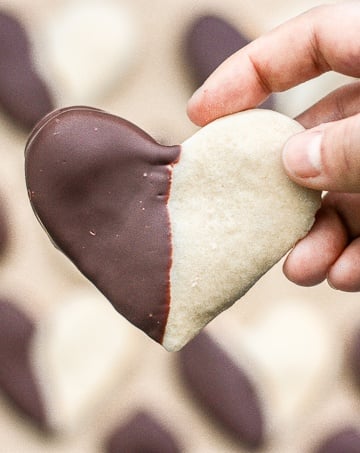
55	65
142	433
57	371
252	381
154	227
24	95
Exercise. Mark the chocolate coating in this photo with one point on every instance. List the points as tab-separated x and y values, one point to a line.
344	441
24	96
16	375
100	186
223	388
142	434
209	42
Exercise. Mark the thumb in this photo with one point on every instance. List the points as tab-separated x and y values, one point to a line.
326	157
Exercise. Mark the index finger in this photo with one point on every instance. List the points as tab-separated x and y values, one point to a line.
322	39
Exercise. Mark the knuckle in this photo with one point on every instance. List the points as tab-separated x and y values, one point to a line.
341	153
351	145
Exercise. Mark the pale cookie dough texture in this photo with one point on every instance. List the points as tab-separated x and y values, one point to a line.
87	48
234	214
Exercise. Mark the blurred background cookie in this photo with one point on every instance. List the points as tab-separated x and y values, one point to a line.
142	432
263	379
57	370
24	94
88	48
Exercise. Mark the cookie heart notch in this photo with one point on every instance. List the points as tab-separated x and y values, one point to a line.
172	235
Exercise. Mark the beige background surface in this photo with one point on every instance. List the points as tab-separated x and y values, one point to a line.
154	96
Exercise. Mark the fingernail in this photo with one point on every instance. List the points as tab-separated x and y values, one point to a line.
302	155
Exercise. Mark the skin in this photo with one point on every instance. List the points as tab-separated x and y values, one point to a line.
326	156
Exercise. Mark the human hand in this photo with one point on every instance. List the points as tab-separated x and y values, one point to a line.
327	155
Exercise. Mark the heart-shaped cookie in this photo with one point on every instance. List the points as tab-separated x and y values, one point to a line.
53	64
87	48
172	235
57	371
294	370
79	359
262	378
